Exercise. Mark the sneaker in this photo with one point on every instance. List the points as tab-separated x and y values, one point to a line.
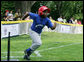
26	57
28	52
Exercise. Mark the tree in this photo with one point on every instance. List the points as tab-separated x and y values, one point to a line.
7	5
65	8
24	6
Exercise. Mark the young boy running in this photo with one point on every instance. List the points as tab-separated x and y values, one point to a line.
39	21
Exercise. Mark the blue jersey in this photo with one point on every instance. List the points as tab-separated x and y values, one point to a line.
39	23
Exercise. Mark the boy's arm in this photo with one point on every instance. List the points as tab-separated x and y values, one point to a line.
26	15
54	26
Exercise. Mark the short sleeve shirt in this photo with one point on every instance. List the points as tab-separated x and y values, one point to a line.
39	23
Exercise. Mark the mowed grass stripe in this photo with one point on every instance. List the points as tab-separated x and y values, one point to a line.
49	39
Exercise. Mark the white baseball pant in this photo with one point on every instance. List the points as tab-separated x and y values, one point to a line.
36	39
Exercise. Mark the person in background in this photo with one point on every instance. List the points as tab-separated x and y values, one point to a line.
75	21
17	15
60	19
5	16
70	21
10	16
50	18
6	13
78	21
64	20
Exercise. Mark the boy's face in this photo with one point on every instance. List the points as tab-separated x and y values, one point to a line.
45	13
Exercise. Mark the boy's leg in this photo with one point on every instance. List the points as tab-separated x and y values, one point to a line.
36	42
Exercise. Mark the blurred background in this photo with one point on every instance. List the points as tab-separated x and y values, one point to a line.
66	9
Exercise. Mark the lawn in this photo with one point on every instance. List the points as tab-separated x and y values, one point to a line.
55	47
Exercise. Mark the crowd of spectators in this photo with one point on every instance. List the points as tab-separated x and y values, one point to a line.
71	20
17	16
9	16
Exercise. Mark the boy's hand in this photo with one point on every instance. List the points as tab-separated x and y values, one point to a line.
54	26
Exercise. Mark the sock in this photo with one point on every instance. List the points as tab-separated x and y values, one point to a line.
29	51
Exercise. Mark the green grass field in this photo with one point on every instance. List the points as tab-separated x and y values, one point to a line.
55	47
